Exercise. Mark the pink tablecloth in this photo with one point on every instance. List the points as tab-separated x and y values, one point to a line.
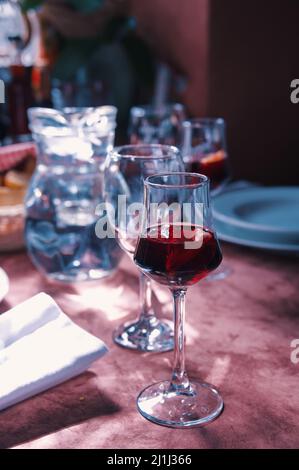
238	335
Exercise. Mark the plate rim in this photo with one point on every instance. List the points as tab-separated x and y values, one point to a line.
285	248
248	225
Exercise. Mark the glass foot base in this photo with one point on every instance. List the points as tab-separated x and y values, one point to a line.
196	406
146	335
79	275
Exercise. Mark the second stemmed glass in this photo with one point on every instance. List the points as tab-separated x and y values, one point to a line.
125	171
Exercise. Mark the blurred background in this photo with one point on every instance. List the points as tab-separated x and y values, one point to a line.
231	59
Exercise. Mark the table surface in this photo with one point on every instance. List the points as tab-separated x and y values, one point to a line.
239	334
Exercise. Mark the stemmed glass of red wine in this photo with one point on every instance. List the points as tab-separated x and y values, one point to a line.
204	150
125	170
177	247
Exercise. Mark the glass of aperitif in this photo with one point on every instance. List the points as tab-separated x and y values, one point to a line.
178	247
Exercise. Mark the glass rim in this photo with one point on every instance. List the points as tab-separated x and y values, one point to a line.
204	180
170	151
101	119
198	122
40	111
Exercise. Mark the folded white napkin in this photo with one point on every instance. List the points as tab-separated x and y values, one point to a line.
41	347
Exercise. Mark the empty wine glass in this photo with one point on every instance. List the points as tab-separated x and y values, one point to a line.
125	171
156	125
178	247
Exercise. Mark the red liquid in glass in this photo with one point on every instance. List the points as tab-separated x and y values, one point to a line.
165	254
213	165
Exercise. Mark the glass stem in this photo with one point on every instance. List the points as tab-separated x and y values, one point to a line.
180	379
145	289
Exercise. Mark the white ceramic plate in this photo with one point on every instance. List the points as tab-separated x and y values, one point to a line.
269	209
259	217
230	234
4	284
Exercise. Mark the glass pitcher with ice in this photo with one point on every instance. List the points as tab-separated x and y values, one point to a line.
65	192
